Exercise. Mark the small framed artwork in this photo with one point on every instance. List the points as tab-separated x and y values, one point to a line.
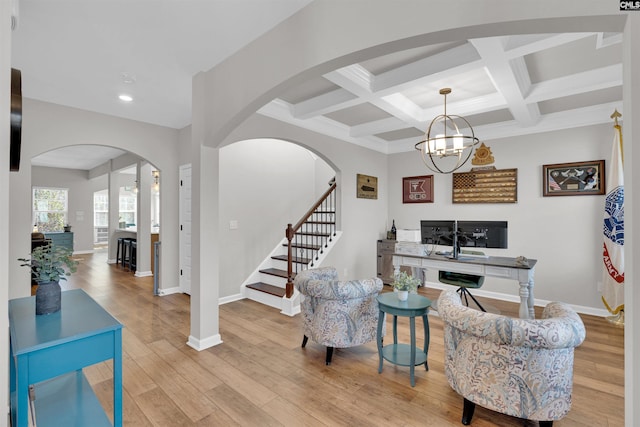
366	187
417	189
573	179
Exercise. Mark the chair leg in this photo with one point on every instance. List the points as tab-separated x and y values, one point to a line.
545	423
329	355
466	292
467	411
304	340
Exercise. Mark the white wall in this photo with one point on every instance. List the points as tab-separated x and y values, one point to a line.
563	233
265	184
80	202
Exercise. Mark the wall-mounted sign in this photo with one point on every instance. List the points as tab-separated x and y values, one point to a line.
486	186
417	189
366	187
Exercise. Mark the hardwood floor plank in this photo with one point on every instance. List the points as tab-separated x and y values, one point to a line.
260	375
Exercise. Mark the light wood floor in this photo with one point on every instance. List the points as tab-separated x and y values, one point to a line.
260	376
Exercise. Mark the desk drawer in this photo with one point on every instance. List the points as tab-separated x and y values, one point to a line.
499	272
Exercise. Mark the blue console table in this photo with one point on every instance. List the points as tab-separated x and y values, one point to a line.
49	352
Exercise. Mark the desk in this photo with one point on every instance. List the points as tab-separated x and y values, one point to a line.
503	267
50	351
403	354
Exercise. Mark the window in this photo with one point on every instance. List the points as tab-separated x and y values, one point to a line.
100	217
128	208
50	208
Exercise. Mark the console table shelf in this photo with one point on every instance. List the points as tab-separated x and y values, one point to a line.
50	351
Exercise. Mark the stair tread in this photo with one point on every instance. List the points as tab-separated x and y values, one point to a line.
304	246
277	272
320	222
313	233
266	288
298	260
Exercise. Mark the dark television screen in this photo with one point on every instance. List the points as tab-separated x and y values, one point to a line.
483	234
471	234
436	232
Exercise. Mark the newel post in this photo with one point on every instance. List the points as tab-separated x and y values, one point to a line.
289	288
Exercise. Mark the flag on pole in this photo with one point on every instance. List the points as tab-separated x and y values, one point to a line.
613	230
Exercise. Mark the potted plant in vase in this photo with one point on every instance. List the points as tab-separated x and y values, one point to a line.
49	264
404	283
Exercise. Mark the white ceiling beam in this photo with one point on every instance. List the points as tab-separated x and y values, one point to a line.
450	62
519	46
377	126
281	110
326	103
510	77
587	81
587	116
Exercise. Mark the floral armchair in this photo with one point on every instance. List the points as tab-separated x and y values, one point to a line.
518	367
337	313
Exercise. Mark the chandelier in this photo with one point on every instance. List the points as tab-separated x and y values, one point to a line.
445	147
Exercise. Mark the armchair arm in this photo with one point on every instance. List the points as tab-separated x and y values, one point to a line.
340	290
560	327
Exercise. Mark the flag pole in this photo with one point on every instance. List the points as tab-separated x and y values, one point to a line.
618	318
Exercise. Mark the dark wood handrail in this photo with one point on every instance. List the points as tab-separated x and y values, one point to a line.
290	233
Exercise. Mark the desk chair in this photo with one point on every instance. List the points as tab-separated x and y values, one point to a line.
463	281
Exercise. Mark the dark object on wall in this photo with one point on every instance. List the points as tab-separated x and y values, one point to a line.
417	189
573	179
486	186
16	119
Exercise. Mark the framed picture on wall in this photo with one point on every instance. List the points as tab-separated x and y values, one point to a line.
573	179
366	187
417	189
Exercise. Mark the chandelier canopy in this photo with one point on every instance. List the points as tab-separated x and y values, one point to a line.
448	142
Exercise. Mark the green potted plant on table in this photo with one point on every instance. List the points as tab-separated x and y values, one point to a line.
404	283
49	264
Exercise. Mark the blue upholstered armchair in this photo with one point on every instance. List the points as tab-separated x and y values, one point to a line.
518	367
337	313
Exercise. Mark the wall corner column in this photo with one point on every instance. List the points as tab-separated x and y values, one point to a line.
205	251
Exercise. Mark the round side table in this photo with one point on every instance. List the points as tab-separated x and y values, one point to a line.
403	354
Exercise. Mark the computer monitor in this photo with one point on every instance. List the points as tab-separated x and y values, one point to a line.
437	232
483	234
471	234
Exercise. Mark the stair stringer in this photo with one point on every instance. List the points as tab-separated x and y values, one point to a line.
287	306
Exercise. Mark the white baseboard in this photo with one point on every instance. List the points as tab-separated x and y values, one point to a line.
516	299
230	298
205	343
143	273
111	261
169	291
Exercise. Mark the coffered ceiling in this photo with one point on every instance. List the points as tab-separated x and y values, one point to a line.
82	54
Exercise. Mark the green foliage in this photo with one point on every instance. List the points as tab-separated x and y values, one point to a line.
50	264
405	282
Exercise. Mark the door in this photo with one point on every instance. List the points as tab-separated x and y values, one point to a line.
185	228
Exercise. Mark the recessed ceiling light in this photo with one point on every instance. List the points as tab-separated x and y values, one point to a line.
125	98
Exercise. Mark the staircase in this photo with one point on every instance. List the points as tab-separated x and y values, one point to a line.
305	246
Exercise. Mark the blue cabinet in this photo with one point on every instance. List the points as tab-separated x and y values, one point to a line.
61	239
